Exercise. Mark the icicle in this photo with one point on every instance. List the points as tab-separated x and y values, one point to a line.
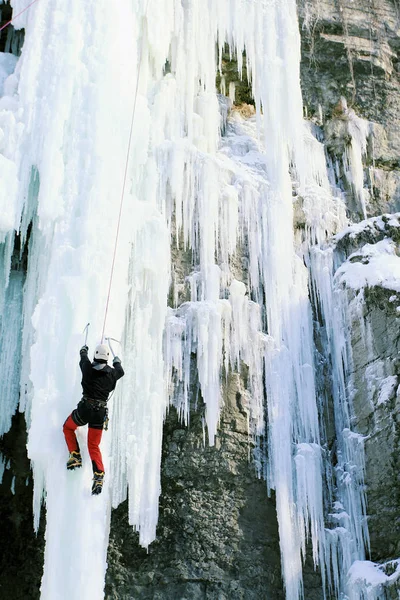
2	467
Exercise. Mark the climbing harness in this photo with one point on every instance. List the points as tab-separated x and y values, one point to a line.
125	175
95	403
19	14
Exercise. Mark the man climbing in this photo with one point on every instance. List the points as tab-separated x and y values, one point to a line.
98	380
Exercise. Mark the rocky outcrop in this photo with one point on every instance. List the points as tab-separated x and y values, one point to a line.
350	50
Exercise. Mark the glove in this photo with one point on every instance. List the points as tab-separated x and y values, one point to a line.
116	360
84	350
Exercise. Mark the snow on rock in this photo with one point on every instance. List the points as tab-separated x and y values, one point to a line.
387	387
371	227
369	579
374	264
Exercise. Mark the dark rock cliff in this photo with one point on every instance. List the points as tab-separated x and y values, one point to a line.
21	551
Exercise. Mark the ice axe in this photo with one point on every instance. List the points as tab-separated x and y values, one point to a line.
87	331
109	343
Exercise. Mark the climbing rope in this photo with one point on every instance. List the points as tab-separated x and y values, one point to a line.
19	14
125	175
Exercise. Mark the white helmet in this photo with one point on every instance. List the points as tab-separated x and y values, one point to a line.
102	352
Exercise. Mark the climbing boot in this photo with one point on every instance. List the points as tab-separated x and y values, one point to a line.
74	461
97	486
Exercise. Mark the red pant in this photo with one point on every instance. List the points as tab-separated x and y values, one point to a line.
94	439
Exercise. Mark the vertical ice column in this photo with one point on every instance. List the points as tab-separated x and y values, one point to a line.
6	249
359	130
139	410
289	379
10	350
349	472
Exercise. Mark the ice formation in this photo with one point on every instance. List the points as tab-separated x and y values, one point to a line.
65	114
369	580
353	155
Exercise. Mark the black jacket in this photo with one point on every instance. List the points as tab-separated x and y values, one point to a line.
98	384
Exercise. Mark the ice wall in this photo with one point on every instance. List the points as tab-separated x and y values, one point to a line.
64	120
65	114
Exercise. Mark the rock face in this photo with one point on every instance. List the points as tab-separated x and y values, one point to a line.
11	40
377	409
350	50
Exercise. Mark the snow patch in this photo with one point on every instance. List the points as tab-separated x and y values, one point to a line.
388	385
380	223
374	265
368	579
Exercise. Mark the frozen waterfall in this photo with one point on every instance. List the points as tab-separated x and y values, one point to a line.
65	114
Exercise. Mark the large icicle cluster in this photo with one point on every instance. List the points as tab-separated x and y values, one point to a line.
345	542
65	115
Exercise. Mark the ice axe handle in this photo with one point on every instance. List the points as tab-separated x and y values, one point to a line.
111	348
86	331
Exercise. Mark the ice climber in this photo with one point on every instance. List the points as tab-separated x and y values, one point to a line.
98	380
